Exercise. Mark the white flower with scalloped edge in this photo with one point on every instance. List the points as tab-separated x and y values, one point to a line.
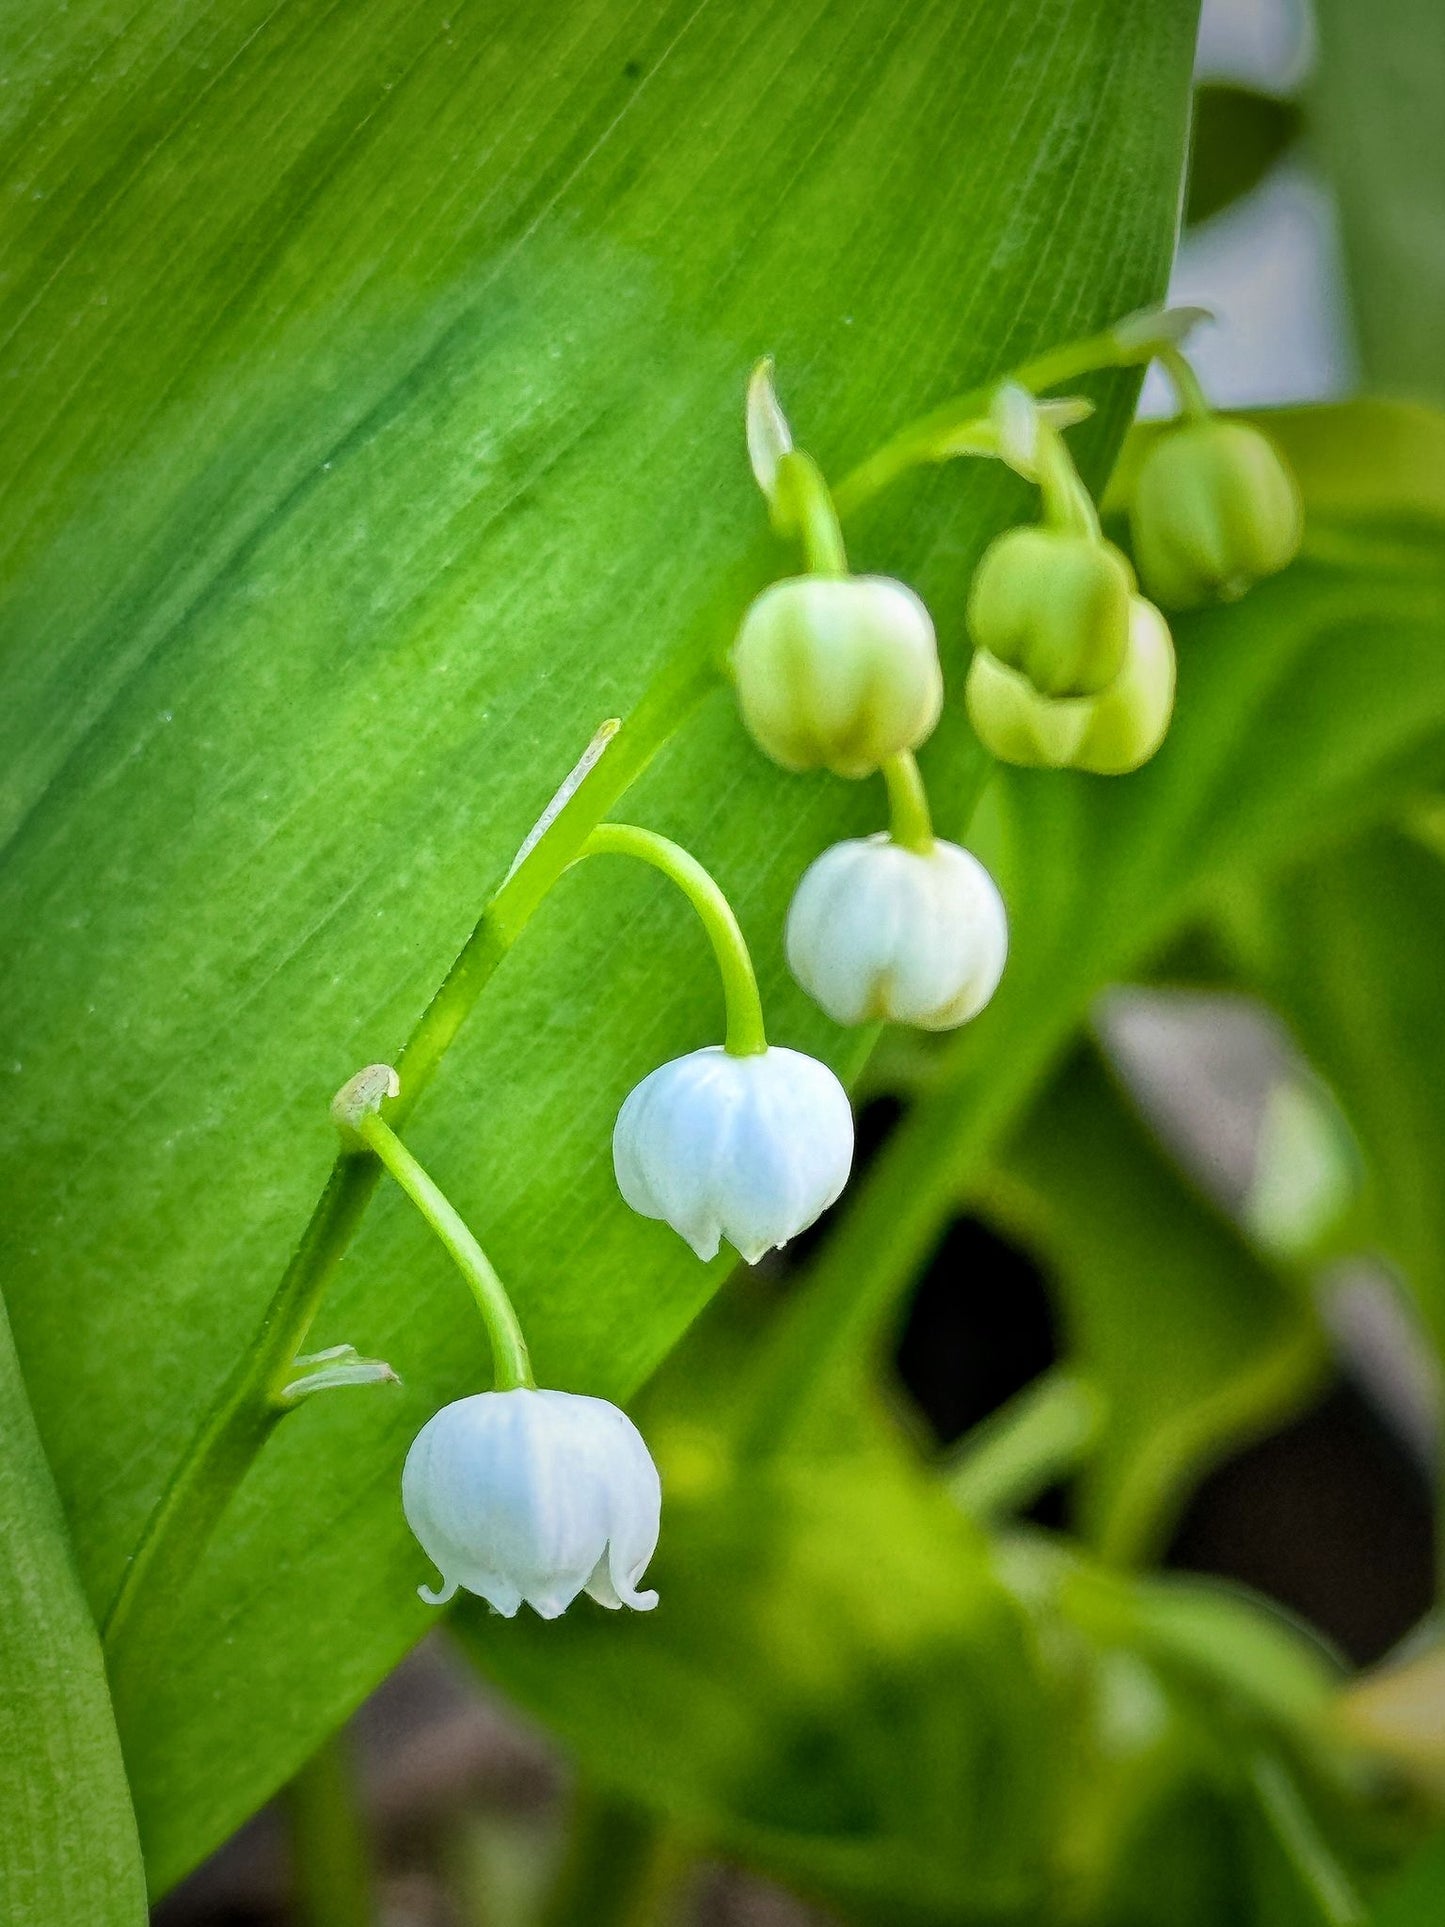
535	1496
751	1149
879	931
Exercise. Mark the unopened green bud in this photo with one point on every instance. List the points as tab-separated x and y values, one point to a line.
1018	725
1131	718
1215	508
838	672
1108	734
1055	607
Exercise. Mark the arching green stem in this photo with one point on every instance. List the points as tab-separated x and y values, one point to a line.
511	1366
1068	505
1187	385
809	507
746	1036
927	439
252	1399
910	821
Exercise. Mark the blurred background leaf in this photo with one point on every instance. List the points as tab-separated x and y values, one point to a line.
835	1684
1413	1899
1376	116
1192	1340
1238	135
1348	951
376	384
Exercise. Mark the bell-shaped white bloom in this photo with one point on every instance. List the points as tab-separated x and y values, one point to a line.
879	931
751	1149
537	1496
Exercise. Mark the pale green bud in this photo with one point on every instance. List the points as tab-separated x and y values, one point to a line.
1215	508
1131	718
1055	607
1108	734
837	672
1018	725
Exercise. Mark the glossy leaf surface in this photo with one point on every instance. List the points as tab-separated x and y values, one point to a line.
377	388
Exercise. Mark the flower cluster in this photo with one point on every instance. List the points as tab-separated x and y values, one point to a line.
1072	666
520	1494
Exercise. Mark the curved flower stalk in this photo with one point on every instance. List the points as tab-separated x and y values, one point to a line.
743	1140
272	1375
515	1494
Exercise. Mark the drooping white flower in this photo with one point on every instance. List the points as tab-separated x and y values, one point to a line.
535	1496
751	1149
879	931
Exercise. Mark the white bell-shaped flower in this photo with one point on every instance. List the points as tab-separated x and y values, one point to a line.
879	931
537	1496
751	1149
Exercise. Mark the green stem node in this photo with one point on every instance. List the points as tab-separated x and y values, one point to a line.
746	1036
511	1366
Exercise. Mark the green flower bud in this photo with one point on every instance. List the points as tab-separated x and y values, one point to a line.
1214	509
837	672
1018	725
1108	734
1131	718
1054	606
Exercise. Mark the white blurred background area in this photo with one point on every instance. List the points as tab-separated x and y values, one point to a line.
1270	267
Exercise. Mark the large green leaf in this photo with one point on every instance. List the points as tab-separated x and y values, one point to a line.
375	432
68	1846
1315	704
1191	1339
